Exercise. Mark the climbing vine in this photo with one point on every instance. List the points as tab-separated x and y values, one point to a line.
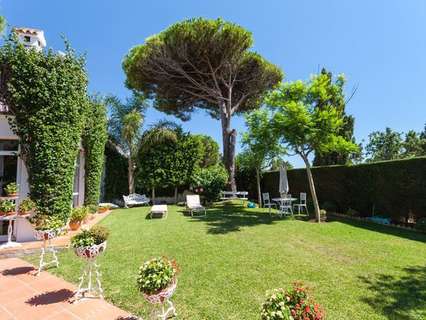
46	93
94	139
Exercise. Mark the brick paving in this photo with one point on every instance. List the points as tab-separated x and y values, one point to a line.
28	297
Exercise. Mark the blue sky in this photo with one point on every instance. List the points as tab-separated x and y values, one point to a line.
379	45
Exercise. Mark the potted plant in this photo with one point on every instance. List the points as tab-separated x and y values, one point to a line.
293	303
11	189
90	243
104	208
7	208
157	279
47	227
27	206
77	217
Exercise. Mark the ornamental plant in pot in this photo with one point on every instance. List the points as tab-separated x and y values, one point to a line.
11	189
90	243
7	208
27	206
291	304
47	227
103	209
77	217
157	279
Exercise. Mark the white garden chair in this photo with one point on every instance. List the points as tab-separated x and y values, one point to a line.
267	202
302	204
194	205
285	207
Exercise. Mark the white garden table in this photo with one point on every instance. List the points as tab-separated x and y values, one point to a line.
281	201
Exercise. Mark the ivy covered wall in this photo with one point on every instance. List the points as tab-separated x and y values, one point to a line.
94	138
47	94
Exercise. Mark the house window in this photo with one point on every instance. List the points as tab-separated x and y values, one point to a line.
27	38
8	172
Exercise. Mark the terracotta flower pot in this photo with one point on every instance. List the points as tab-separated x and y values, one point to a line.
102	209
10	213
13	194
74	225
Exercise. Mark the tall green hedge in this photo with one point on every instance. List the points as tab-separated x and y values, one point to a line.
47	94
94	139
391	188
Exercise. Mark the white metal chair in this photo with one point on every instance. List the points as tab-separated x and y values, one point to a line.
285	207
302	204
194	205
267	202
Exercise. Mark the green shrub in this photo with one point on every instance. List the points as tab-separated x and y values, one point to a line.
11	188
290	304
86	238
213	180
94	139
45	222
46	92
421	224
156	274
79	214
27	205
99	233
7	206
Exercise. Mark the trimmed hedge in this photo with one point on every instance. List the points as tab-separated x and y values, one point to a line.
94	138
115	174
395	189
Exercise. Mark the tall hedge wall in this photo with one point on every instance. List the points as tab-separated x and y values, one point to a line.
115	174
392	188
94	138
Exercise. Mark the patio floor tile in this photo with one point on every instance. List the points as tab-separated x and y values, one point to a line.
26	296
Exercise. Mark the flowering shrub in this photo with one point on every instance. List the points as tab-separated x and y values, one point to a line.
87	238
291	304
156	275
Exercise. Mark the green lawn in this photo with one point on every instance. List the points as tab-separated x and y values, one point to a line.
231	257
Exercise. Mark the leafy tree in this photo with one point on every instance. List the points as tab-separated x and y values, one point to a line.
212	179
125	128
211	155
2	24
332	94
206	64
260	143
386	145
171	163
412	145
305	128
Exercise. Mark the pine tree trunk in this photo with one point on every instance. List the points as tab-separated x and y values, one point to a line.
229	137
153	195
312	188
259	196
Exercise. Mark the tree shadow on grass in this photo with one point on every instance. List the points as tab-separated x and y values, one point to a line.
399	297
407	234
231	217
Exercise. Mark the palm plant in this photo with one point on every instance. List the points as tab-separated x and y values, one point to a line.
125	130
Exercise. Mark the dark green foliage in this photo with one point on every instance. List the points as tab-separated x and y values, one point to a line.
115	176
212	180
47	94
211	155
390	188
421	224
169	163
94	139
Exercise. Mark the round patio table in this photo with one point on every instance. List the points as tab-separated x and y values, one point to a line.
281	200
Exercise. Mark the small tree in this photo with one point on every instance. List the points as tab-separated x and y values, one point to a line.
305	128
205	64
386	145
260	143
211	155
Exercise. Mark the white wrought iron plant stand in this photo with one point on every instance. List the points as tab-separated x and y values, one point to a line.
10	218
91	270
47	236
163	307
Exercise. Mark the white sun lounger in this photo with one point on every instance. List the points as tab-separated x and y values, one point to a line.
158	209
